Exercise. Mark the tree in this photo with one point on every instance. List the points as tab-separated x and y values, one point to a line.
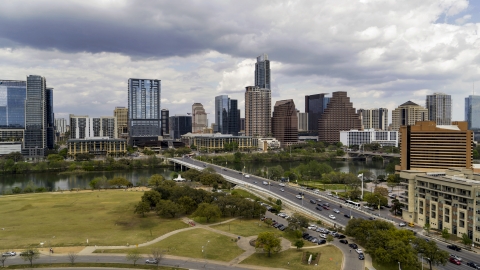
381	190
396	206
15	156
119	181
187	203
445	234
466	240
299	243
155	180
167	208
30	255
431	251
134	255
157	255
329	238
426	227
72	257
142	208
208	211
269	242
152	197
393	180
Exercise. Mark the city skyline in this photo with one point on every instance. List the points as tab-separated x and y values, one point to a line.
380	61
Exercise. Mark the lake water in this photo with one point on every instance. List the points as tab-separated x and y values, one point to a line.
55	181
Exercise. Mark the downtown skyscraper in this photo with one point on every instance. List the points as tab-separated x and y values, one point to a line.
374	118
439	106
258	111
35	135
227	115
144	113
315	106
472	112
262	72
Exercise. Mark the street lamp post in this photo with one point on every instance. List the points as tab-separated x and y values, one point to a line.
204	250
399	267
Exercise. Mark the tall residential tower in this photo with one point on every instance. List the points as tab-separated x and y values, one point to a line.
374	118
258	111
439	108
35	135
408	114
262	72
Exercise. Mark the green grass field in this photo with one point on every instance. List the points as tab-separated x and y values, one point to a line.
70	218
330	258
189	244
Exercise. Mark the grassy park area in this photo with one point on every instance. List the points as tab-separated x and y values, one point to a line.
70	218
330	258
189	244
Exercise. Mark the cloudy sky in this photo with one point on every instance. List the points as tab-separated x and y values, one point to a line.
382	52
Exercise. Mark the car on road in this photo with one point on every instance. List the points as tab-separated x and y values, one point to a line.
282	190
343	241
455	257
281	184
347	216
454	247
319	200
336	211
326	207
247	176
265	183
454	261
361	256
473	265
9	254
204	165
359	250
299	197
371	218
313	201
411	224
224	169
331	216
255	182
353	245
151	261
318	208
402	224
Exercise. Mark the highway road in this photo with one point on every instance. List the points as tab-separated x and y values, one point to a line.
290	192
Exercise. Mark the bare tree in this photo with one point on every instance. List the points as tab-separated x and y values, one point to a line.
72	256
157	254
30	255
134	255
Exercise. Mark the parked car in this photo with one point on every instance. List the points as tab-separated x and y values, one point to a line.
151	261
314	240
331	216
322	235
455	257
321	241
341	236
343	241
353	245
359	250
454	247
411	224
361	256
454	261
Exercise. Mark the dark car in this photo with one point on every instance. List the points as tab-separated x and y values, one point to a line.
454	247
224	169
361	256
301	193
321	241
313	201
341	236
282	228
347	215
343	241
473	265
318	208
325	207
204	165
353	245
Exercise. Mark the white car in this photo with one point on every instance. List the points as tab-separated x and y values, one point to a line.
9	253
299	197
281	184
331	216
359	250
152	261
322	235
312	227
247	176
455	257
282	190
329	194
265	183
402	224
282	215
336	211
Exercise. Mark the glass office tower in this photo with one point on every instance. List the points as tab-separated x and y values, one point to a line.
12	104
35	135
227	115
262	72
472	112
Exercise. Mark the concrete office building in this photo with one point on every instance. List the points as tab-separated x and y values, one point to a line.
61	125
258	111
359	137
10	147
338	116
144	113
285	122
35	135
199	118
217	141
439	106
121	116
227	115
408	114
430	147
99	147
179	125
84	127
374	118
444	199
302	121
315	106
12	109
262	72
